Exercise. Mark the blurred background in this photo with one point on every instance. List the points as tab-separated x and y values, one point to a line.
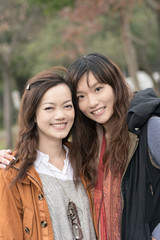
37	34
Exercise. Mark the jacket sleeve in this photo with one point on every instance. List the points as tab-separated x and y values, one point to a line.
156	232
153	136
10	210
154	146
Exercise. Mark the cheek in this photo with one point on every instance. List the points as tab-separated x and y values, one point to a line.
71	115
42	119
38	115
82	105
112	101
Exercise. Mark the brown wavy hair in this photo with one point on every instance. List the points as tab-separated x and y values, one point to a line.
85	140
27	139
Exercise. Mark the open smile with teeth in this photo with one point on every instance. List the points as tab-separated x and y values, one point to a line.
59	125
99	111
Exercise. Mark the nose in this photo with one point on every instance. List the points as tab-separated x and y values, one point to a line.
59	114
92	101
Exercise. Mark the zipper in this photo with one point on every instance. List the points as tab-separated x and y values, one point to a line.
151	188
33	179
158	167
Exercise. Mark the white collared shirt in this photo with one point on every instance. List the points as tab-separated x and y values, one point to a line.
42	165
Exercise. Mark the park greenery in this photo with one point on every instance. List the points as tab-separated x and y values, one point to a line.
37	34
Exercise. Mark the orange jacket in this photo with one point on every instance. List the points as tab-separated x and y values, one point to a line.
24	211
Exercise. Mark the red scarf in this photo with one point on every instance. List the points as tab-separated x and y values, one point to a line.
107	202
99	197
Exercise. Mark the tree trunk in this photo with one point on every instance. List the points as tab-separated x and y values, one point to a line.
158	25
155	7
158	48
158	51
7	109
129	49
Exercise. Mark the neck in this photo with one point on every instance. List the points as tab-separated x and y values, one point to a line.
107	131
55	151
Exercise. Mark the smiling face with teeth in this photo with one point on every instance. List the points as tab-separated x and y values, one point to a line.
95	99
55	114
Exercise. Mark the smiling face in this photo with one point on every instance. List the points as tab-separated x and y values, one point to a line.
95	99
55	114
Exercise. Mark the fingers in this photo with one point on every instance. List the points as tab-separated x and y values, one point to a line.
2	166
9	151
6	154
5	158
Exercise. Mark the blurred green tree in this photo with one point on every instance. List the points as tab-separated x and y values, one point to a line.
17	20
50	6
86	18
89	11
155	7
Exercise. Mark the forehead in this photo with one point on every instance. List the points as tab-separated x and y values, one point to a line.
88	80
58	92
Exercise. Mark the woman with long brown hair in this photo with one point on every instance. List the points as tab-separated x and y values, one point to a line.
41	196
123	173
117	145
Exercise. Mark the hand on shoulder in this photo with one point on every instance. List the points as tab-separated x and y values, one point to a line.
5	158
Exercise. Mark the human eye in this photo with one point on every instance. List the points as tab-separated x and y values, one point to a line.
98	89
80	97
68	106
48	108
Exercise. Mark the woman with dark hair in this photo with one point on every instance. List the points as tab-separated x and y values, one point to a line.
126	178
40	195
117	147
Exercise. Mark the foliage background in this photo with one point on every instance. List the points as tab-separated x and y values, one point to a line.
37	34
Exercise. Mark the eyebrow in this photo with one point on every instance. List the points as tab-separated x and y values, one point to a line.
52	103
92	86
